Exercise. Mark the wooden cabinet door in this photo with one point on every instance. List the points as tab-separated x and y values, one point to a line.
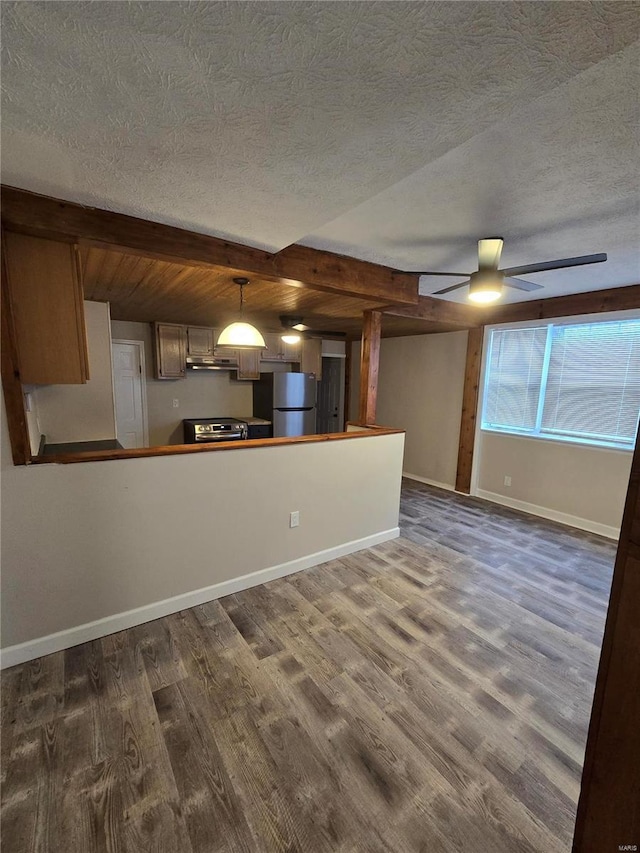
45	295
311	358
248	364
273	352
199	341
171	351
291	352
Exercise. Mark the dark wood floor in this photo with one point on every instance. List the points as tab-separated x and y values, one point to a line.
429	694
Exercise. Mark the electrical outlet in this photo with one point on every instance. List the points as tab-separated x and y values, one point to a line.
176	403
507	481
294	519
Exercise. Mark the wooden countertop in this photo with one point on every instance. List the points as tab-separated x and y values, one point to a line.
357	431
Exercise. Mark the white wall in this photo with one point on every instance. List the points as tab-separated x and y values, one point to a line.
576	484
82	412
581	486
201	394
420	389
420	386
83	542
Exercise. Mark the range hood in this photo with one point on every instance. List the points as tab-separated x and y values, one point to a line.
207	362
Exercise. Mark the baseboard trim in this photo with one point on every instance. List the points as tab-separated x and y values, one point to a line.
435	483
551	514
22	652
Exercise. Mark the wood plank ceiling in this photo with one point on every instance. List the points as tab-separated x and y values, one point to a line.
146	289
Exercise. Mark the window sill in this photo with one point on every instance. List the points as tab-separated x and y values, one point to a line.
555	440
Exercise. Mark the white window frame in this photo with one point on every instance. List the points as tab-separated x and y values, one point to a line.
611	316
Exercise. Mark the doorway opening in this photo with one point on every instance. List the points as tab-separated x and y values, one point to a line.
330	405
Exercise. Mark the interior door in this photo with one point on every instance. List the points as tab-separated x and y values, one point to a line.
130	393
331	396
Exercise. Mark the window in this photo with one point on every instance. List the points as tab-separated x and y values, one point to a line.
577	382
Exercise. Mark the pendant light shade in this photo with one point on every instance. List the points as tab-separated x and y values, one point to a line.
241	335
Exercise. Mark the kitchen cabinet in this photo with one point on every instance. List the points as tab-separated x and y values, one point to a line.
171	350
278	350
44	289
311	357
199	341
248	364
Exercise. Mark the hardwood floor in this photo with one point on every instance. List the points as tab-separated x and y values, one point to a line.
429	694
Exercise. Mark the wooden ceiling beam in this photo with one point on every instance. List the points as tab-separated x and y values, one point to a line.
295	266
573	305
457	315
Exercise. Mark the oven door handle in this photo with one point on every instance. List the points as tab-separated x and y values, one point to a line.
226	436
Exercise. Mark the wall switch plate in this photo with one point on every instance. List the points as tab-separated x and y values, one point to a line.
507	481
176	403
27	401
294	519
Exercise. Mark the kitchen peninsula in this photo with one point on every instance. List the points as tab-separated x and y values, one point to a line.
106	547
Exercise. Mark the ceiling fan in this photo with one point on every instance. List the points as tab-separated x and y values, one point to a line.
487	283
293	323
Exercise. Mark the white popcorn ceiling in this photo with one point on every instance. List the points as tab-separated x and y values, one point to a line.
398	132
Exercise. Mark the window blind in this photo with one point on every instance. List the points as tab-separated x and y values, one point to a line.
578	382
593	384
514	376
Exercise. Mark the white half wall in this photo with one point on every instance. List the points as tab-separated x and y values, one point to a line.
90	542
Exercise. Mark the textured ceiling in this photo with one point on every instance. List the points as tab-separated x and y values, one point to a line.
393	131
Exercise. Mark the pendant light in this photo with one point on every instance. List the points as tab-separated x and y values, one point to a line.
241	335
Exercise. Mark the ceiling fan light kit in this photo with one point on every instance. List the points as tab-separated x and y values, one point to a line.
487	284
241	335
292	323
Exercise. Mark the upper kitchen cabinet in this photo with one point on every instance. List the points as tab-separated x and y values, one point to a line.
199	341
171	350
277	350
248	364
44	290
311	357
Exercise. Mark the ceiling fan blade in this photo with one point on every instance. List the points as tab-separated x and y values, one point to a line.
521	284
556	265
430	272
489	251
449	289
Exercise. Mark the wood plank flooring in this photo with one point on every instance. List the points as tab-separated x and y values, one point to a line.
429	694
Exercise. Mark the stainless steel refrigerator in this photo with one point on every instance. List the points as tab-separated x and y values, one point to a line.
288	400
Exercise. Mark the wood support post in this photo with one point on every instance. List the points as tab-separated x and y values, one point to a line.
11	383
469	409
347	383
608	809
369	360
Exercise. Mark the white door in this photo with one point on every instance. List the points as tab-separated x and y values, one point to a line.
130	393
